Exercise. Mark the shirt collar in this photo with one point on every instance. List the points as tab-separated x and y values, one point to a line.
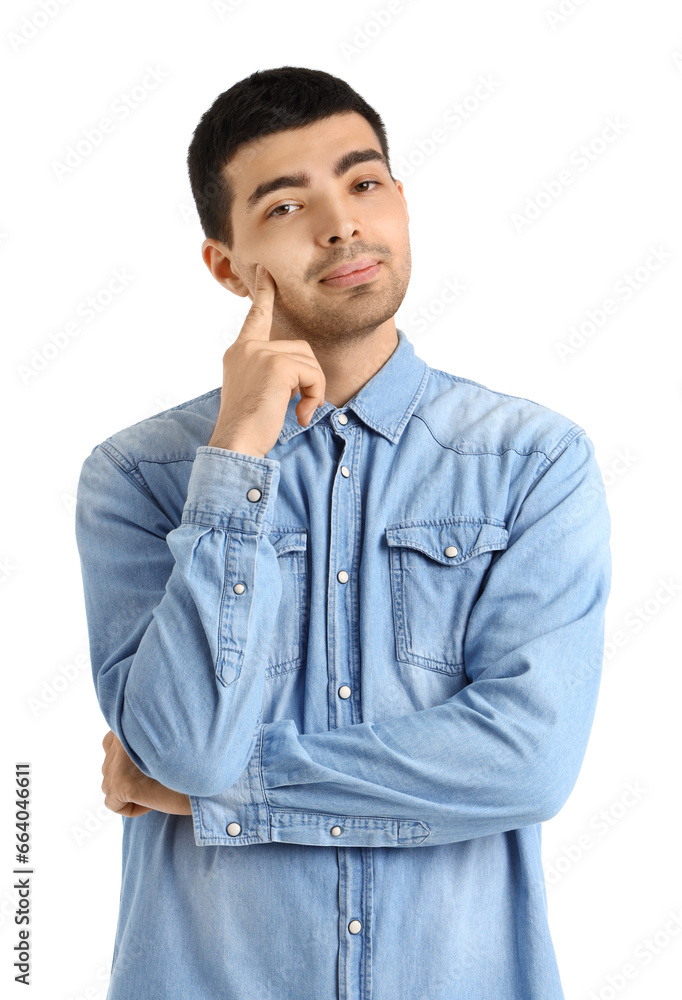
385	403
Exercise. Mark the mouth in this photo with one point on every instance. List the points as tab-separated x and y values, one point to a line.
355	273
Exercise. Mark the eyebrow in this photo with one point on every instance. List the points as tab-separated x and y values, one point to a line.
303	179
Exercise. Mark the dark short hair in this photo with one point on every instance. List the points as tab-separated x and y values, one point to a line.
263	103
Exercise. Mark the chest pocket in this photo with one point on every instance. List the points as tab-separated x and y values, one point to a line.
290	638
437	570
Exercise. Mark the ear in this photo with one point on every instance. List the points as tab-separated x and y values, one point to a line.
399	185
217	258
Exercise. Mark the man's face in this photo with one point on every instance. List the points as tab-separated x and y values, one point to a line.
301	233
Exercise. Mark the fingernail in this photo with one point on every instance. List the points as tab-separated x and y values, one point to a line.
260	270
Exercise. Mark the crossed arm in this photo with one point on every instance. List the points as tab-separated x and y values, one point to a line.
501	753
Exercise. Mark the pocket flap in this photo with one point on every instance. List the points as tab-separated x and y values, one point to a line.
469	536
289	540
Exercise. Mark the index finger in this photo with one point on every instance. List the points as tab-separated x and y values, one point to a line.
258	322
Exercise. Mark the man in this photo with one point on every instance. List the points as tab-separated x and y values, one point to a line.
346	613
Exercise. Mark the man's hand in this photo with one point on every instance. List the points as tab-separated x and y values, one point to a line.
257	375
129	791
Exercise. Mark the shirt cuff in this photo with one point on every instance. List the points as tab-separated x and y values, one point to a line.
239	815
228	489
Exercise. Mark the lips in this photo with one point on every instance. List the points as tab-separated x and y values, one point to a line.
356	265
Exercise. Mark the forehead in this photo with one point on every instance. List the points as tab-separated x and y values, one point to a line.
312	148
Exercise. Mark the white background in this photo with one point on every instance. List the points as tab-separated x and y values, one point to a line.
557	73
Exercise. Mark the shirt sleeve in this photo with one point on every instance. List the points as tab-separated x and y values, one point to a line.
502	753
180	617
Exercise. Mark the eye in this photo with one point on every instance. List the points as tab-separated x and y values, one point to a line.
277	208
287	204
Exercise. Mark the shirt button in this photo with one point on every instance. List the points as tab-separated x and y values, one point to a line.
355	926
336	831
234	829
342	576
343	419
239	588
254	494
344	691
451	551
345	472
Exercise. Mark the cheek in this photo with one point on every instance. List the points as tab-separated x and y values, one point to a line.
391	229
246	271
401	242
288	274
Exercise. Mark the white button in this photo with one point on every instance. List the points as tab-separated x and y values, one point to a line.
345	472
234	829
336	831
355	926
239	588
343	419
344	691
254	494
451	551
342	576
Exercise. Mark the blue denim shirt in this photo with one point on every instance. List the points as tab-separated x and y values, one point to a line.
372	660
